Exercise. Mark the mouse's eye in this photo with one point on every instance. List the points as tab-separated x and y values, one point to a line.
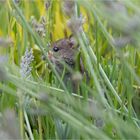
55	49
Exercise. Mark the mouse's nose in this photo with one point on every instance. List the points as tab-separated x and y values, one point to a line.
50	54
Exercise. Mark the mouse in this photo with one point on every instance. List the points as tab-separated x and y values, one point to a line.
65	53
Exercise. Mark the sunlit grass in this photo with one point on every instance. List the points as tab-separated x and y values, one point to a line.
40	103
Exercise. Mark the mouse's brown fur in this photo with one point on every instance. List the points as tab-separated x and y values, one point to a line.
64	51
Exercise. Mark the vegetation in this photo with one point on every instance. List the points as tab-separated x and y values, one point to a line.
35	102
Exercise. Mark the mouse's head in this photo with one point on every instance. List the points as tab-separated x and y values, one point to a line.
63	50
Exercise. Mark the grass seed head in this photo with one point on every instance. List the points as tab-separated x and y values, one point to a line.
25	68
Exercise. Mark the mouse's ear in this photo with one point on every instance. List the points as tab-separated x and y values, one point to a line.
72	41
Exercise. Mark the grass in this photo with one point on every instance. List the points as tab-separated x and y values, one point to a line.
40	105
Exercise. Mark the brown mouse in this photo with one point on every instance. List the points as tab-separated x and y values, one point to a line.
64	51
